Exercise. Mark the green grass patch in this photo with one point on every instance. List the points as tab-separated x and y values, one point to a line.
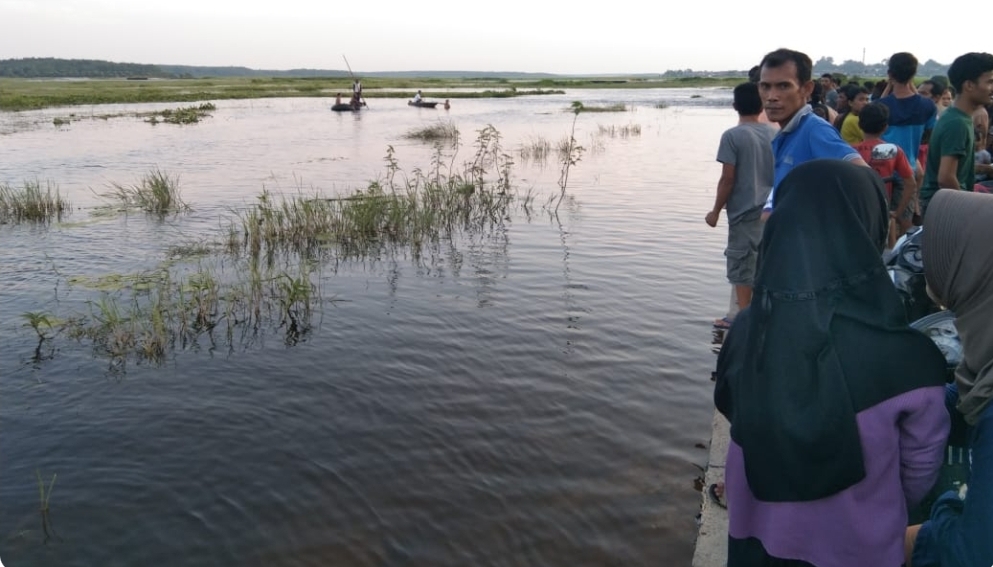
442	131
157	192
578	106
32	203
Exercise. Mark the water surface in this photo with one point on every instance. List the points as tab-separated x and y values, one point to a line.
533	395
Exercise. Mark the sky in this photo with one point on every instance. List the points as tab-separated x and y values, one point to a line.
613	37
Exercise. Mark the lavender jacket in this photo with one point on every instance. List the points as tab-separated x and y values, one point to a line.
903	442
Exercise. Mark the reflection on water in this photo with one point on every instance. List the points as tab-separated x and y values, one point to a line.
531	394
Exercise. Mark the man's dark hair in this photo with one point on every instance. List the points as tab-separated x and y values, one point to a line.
902	66
874	117
747	100
969	67
781	56
754	73
827	76
852	90
940	84
931	87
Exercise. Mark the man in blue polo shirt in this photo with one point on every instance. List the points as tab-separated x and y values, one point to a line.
785	87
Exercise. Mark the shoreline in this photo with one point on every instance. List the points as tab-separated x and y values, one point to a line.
711	547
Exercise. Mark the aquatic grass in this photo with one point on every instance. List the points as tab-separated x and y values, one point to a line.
261	277
32	203
625	131
443	130
44	494
619	107
396	211
661	104
536	149
157	192
41	323
570	153
184	115
208	305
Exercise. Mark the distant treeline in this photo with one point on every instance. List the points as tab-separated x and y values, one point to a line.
50	68
849	68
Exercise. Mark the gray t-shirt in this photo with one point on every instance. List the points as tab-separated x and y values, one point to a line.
748	147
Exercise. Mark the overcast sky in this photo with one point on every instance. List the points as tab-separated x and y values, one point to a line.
616	36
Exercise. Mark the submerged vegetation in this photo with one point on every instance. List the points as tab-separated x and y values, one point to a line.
157	192
619	107
262	274
32	203
445	130
535	149
625	131
185	115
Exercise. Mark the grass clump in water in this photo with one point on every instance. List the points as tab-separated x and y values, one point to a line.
396	211
157	192
32	203
619	131
442	131
578	106
184	115
536	149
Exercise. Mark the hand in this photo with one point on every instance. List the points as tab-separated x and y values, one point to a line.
712	217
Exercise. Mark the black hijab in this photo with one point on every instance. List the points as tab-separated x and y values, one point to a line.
824	338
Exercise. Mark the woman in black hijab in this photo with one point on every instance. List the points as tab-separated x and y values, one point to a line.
836	406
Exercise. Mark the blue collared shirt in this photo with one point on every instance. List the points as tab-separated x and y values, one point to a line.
806	137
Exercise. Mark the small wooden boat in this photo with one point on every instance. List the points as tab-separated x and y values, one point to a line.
347	107
422	104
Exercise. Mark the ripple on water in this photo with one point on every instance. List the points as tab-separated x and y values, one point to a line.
530	396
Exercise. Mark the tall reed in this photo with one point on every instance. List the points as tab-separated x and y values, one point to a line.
157	192
32	203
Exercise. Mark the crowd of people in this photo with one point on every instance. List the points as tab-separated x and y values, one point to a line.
840	412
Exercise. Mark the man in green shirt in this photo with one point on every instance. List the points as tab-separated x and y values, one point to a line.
951	152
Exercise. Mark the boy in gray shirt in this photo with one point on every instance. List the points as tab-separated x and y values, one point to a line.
745	153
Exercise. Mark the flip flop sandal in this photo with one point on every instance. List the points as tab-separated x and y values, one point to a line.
722	323
712	492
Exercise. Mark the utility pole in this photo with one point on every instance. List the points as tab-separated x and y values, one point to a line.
863	56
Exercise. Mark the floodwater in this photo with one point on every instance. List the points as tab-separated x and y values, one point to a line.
533	395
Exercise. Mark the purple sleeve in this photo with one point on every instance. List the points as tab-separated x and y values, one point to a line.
923	435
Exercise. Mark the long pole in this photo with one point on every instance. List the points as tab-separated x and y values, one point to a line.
352	75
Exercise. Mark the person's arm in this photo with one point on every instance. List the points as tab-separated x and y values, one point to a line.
724	187
923	435
960	529
910	188
947	170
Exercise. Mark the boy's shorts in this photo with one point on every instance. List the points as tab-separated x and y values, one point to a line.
908	213
743	250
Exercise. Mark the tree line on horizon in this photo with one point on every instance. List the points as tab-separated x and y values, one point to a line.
847	68
56	68
52	68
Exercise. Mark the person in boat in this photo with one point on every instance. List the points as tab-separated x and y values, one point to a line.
836	406
958	266
447	105
337	99
417	97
